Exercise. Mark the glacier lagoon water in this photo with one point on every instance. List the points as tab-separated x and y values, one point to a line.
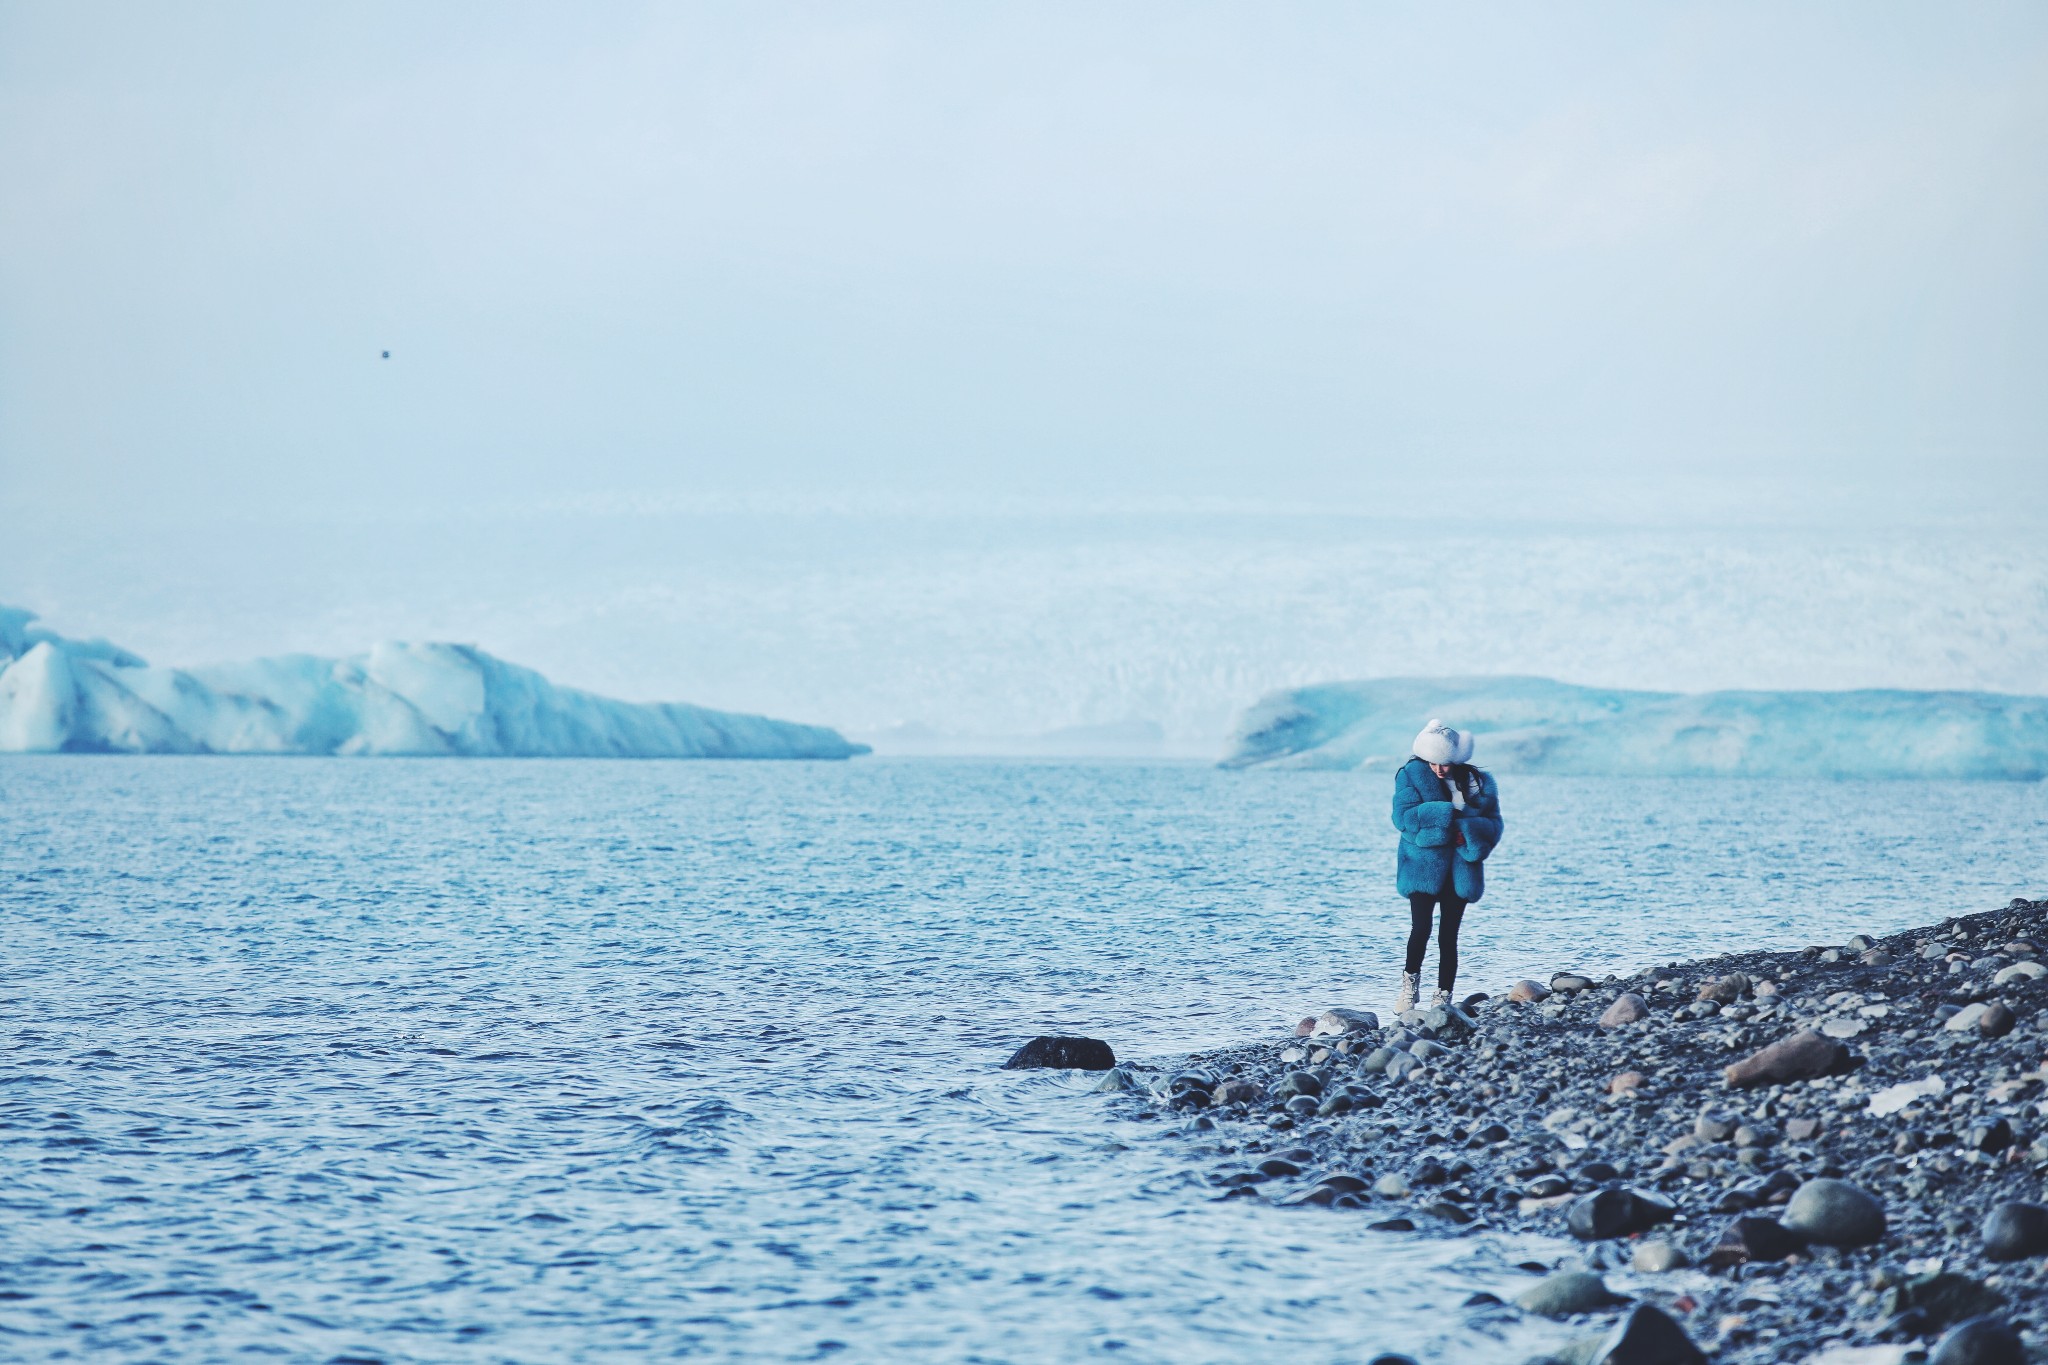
563	1060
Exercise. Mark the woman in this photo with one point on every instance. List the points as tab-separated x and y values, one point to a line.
1448	813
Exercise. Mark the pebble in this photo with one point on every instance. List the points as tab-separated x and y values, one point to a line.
1803	1056
1627	1083
1569	982
1628	1009
1392	1185
1834	1212
1528	993
1565	1292
1715	1127
1657	1256
1843	1028
2016	1231
1997	1020
1859	943
2019	971
1980	1341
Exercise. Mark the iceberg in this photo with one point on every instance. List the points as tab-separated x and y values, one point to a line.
88	696
1539	725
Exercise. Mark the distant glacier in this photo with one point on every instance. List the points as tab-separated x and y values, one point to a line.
1537	725
87	696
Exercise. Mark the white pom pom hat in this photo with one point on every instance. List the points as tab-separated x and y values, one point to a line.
1439	743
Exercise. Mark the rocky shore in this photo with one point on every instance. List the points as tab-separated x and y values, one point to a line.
1833	1155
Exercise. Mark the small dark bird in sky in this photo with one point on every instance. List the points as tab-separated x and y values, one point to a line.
387	355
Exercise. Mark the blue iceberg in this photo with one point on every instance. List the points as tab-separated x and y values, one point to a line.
1538	725
87	696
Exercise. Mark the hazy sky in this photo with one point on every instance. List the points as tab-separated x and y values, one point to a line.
905	270
1268	250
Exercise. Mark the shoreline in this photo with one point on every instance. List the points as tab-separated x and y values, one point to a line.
1714	1133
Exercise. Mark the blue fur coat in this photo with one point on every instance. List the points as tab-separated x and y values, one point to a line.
1443	849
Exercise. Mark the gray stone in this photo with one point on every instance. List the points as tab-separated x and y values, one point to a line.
1392	1185
1565	1292
1628	1009
1428	1050
1528	993
1836	1213
1859	943
1997	1020
1571	981
2016	1231
2019	971
1377	1059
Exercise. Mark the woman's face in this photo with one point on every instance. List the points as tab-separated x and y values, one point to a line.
1440	769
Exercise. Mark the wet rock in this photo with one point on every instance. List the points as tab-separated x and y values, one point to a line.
1278	1166
1389	1358
1754	1239
1834	1212
1428	1049
1341	1021
1305	1028
1392	1185
1802	1130
1565	1292
1548	1187
1238	1091
1657	1256
1079	1054
1980	1341
1997	1020
1648	1336
1304	1106
1802	1056
1298	1083
1528	993
1615	1212
1858	943
1875	957
1393	1225
1377	1059
1118	1079
1569	982
1630	1008
2016	1231
2019	971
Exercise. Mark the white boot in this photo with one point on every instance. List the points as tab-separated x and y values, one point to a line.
1404	1000
1440	998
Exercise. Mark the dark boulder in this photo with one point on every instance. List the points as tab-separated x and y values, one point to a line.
1079	1054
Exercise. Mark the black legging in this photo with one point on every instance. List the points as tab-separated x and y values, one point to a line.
1419	906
